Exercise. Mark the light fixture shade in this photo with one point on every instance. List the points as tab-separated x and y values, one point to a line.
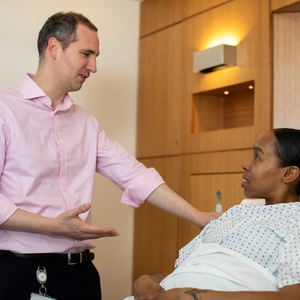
215	58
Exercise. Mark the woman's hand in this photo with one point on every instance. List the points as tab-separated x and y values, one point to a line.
147	287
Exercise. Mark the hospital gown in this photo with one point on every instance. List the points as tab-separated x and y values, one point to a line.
266	234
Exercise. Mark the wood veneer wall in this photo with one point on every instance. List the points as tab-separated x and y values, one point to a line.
190	161
286	70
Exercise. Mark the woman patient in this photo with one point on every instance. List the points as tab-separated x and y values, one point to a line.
251	251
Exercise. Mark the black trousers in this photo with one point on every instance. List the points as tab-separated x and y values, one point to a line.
76	282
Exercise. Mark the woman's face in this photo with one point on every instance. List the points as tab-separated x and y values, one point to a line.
263	175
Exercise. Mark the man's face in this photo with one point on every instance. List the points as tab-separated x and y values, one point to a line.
263	175
78	60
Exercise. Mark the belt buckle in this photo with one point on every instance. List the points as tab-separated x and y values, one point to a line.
70	259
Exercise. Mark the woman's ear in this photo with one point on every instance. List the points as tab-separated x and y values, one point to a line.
291	174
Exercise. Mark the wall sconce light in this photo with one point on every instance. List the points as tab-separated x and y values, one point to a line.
215	58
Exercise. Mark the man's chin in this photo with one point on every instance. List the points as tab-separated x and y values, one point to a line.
76	88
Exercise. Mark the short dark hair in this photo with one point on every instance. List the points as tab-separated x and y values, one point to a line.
63	27
287	148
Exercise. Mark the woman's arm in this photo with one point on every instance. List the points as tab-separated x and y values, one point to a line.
291	292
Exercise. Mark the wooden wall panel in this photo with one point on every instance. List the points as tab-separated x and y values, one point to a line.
248	24
155	231
192	7
202	175
197	165
285	5
157	14
208	187
159	93
286	70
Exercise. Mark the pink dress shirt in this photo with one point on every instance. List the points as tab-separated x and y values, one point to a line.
48	160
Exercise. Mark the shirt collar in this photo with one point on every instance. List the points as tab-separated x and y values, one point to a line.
31	90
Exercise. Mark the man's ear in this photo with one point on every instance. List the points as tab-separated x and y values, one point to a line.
291	173
53	47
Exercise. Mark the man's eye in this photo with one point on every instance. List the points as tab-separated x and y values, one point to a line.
86	54
256	157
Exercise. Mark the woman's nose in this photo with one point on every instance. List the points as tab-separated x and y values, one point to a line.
246	165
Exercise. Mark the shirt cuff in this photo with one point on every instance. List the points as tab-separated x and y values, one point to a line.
7	208
138	192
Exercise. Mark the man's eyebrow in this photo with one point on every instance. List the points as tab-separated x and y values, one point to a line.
90	51
258	149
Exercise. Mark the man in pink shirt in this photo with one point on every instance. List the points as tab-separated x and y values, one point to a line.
50	150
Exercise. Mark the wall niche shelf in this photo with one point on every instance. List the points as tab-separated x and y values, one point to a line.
223	108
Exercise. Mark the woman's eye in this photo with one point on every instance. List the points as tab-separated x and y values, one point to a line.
256	157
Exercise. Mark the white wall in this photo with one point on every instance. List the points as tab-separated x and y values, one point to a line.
110	95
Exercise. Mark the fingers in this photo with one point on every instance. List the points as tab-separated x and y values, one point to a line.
107	231
72	226
93	234
81	209
90	231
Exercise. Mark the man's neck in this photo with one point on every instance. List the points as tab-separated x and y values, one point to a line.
50	88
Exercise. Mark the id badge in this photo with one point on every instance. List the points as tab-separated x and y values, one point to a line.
35	296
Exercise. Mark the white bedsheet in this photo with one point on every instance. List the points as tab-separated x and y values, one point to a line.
214	267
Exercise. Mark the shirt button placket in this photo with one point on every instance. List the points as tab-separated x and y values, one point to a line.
63	158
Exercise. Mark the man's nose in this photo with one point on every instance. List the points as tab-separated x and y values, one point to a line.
92	65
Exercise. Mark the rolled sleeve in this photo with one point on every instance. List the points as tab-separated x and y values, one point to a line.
7	208
141	188
132	177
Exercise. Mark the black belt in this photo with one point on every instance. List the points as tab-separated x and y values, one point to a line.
68	258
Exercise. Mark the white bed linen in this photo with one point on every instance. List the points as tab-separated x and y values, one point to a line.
211	266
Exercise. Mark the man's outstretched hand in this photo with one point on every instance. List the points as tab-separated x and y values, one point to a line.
70	225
